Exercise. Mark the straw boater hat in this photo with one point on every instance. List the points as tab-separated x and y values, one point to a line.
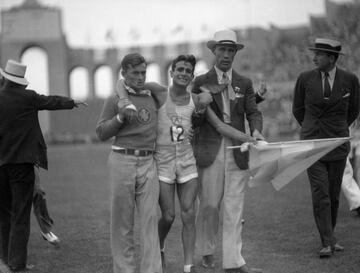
15	72
327	45
224	37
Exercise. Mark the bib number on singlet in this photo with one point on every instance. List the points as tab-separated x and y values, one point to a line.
177	133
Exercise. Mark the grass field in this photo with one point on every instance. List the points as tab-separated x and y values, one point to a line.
279	234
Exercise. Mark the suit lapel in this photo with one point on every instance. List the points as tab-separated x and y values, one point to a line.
319	92
235	82
212	78
336	93
336	90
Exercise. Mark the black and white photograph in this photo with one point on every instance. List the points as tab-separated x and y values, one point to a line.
194	136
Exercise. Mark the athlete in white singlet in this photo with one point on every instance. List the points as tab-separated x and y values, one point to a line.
174	157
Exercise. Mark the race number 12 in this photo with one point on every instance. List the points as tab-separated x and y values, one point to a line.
177	133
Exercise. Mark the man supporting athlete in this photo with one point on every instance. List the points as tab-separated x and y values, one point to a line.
179	112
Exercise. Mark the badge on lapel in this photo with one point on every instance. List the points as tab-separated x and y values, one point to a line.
238	93
345	93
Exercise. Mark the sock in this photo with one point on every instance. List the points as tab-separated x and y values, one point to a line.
187	267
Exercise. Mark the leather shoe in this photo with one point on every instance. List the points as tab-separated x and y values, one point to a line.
337	247
325	252
51	238
27	268
243	269
192	270
208	261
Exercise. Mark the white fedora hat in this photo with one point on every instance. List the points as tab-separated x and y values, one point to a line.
15	72
224	37
327	45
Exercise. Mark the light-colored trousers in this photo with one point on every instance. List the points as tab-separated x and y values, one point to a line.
134	183
222	181
350	188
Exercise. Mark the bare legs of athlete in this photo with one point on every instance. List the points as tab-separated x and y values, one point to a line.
187	193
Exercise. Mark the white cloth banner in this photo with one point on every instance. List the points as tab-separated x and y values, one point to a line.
281	162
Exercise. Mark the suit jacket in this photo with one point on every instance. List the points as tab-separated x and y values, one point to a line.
326	118
206	139
21	139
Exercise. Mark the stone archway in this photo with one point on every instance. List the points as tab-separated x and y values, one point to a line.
79	83
37	73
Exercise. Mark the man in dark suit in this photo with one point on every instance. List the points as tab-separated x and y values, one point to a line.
223	172
21	147
326	101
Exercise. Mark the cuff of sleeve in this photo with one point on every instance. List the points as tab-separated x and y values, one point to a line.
119	118
200	111
131	106
261	96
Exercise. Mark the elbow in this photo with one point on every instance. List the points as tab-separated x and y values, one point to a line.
100	134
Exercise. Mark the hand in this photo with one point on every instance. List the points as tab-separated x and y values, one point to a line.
78	103
252	139
190	134
205	99
213	88
257	135
263	88
122	104
125	109
130	114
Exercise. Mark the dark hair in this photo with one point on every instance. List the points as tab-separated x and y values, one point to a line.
132	60
186	58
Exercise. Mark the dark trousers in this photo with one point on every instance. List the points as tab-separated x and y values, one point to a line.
16	193
325	181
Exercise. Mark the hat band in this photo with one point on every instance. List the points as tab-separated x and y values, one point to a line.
226	41
14	75
327	47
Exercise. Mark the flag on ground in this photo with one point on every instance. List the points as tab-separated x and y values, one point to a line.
281	162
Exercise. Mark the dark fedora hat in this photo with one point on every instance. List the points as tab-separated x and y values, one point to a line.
327	45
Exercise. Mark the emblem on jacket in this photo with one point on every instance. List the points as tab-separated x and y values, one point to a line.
238	92
176	120
144	116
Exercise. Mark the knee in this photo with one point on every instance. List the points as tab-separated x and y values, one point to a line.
188	215
210	211
168	217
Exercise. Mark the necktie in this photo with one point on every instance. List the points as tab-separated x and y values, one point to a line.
327	88
226	99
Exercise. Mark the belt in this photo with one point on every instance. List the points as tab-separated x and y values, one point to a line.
134	152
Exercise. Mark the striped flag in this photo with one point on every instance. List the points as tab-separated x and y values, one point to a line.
280	162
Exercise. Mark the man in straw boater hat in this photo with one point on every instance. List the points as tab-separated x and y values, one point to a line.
22	147
326	102
223	173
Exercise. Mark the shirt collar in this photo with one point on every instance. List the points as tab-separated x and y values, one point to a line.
220	73
141	92
332	73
